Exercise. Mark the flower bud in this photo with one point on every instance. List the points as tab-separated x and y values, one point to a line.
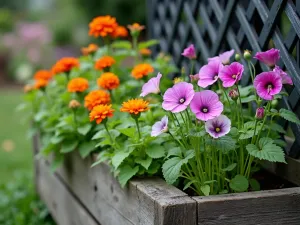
177	80
260	113
237	57
74	104
194	78
234	94
274	103
247	55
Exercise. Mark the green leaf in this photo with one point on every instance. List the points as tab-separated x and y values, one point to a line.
205	189
246	135
223	192
266	151
280	142
99	134
276	127
239	183
245	91
288	115
126	173
40	115
45	151
171	169
56	139
119	157
144	162
102	157
255	186
147	44
114	133
86	148
155	151
248	99
121	44
154	167
230	167
57	162
84	129
188	184
68	146
174	151
225	143
130	132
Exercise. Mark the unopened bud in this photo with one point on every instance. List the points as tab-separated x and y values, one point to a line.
260	113
177	80
194	78
237	57
247	55
274	103
74	104
234	94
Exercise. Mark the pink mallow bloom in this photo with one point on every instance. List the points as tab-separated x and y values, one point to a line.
206	105
209	73
267	84
286	79
152	86
218	127
269	57
160	127
223	57
177	98
189	52
231	74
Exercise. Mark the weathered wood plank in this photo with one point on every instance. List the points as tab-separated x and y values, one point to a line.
143	202
64	208
262	207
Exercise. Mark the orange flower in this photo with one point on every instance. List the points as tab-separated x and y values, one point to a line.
42	75
141	70
120	31
104	62
40	84
28	88
103	26
108	81
96	97
91	48
101	112
136	27
135	106
145	51
78	84
65	65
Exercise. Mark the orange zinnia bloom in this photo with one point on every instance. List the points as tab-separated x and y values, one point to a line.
108	81
136	27
42	75
103	26
101	112
104	62
145	51
91	48
141	70
135	106
78	84
40	84
65	65
120	31
96	97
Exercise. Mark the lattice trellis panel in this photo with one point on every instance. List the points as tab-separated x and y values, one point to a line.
218	25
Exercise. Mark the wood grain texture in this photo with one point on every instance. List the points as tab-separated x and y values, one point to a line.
64	208
276	207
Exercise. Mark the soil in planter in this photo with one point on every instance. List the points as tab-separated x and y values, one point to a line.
267	181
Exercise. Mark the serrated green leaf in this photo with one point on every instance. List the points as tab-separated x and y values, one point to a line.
100	134
276	127
68	146
174	152
84	129
205	189
144	162
86	148
280	142
147	44
239	183
130	132
248	99
154	167
289	116
155	151
171	169
119	157
102	157
246	135
224	144
230	167
245	91
255	186
126	173
188	184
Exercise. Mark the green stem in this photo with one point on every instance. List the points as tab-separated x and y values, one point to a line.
241	106
105	125
138	127
135	47
264	121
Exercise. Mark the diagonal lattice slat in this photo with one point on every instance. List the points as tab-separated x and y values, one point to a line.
218	25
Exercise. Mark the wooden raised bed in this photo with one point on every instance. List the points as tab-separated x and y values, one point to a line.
77	194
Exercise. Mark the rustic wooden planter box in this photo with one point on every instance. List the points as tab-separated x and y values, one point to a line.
77	194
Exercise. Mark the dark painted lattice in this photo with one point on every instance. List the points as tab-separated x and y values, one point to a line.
215	26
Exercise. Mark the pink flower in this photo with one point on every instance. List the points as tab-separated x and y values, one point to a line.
177	98
260	112
286	79
209	73
233	94
267	84
152	86
223	57
194	77
206	105
218	127
269	57
160	127
189	52
231	74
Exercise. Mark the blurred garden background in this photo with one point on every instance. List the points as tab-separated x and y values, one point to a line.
33	35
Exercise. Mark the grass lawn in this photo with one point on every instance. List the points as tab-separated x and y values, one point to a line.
15	147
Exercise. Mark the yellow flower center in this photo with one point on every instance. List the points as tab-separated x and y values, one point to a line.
218	129
233	76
